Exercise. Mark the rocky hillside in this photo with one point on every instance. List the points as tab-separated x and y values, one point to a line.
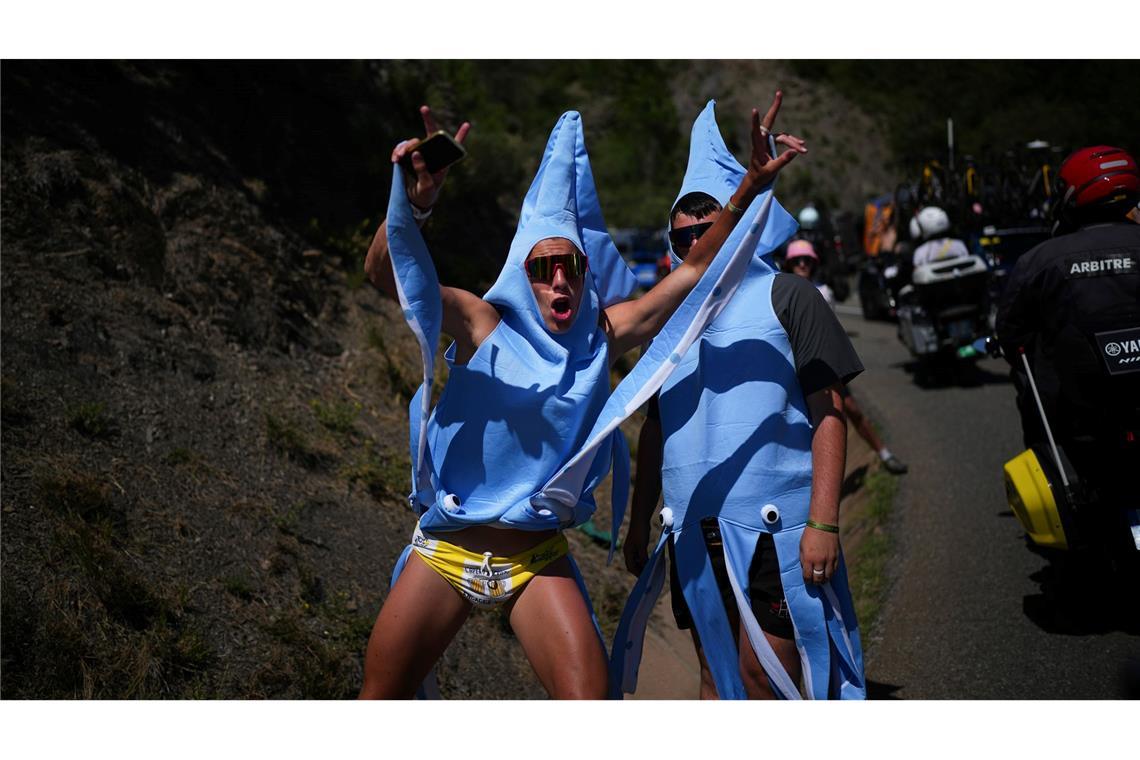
849	156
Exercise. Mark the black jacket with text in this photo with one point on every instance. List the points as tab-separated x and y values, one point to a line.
1073	304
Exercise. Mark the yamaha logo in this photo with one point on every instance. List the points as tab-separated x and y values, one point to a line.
1121	350
1115	348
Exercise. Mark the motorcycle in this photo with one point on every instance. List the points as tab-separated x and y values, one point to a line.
879	283
1069	501
944	309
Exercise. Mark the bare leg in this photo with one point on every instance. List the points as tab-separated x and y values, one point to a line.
708	685
552	622
756	682
861	423
419	619
755	679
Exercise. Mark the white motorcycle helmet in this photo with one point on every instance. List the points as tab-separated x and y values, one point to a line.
808	218
933	221
914	229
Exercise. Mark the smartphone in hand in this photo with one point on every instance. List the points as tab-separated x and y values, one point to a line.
439	150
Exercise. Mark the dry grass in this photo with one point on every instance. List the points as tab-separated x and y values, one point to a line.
97	626
91	419
287	436
381	472
337	416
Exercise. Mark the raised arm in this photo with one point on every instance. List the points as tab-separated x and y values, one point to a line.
466	317
646	490
631	323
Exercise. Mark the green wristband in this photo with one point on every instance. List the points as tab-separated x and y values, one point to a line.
822	526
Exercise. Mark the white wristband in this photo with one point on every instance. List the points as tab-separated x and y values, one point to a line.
418	215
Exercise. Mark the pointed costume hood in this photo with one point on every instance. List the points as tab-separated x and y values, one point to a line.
513	414
713	170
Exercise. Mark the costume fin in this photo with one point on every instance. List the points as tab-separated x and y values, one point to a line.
619	493
845	636
698	583
739	548
625	657
417	287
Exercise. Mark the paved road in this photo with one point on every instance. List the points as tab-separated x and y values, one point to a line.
967	615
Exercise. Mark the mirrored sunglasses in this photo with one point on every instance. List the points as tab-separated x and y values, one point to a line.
542	268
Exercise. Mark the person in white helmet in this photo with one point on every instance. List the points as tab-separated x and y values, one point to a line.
802	259
808	218
934	225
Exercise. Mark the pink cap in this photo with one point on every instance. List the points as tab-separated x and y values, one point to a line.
798	248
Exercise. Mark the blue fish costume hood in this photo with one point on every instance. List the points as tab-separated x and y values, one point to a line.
738	449
522	405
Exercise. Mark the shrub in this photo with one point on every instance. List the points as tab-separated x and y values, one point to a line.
91	420
337	416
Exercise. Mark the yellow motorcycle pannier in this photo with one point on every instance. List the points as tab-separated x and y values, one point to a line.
1030	496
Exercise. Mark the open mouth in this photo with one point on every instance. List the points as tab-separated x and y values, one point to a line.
561	309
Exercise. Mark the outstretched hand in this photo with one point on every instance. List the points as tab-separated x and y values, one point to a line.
424	187
764	164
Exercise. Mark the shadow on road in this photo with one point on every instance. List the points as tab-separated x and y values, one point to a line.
880	690
960	374
1129	673
1082	596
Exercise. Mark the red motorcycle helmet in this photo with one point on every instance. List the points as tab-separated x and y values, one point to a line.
1096	176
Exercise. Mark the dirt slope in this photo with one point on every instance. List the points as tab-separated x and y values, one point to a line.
204	437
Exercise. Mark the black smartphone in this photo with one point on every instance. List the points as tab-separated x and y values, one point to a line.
440	150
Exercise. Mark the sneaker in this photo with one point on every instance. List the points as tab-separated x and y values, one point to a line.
894	465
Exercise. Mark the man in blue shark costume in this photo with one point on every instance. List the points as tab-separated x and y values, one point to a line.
523	391
738	448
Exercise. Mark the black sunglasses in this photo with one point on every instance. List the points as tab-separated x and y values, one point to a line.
541	268
683	237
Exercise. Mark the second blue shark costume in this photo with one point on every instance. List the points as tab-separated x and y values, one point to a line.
738	439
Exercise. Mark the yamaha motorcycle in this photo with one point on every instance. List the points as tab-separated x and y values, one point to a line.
1077	493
